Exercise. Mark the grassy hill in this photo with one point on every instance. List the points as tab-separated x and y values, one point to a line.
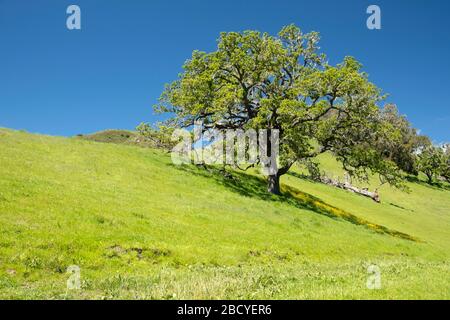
140	227
112	136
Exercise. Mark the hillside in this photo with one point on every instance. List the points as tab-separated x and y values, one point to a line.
111	136
140	227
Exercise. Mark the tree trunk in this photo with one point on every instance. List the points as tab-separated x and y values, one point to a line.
430	177
274	184
274	180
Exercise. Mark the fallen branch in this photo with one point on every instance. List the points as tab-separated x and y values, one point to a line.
347	186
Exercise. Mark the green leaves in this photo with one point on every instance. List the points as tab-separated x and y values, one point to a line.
432	161
255	80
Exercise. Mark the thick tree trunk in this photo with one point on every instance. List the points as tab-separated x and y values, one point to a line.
274	184
274	180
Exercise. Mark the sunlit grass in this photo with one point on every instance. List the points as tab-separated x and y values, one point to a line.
140	227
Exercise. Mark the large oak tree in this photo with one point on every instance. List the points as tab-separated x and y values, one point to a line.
255	80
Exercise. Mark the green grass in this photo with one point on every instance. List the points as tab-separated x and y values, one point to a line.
140	227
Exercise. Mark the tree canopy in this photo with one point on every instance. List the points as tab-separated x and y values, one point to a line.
255	80
402	146
433	161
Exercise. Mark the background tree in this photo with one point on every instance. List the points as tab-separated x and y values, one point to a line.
430	161
159	135
445	171
254	80
402	145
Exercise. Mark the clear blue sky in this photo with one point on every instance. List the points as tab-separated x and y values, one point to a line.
110	73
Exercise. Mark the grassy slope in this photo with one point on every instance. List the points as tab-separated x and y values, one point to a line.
140	227
424	211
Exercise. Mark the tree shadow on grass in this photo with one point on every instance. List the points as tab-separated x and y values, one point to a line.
255	187
441	186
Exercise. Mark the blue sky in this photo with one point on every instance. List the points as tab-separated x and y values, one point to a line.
110	73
